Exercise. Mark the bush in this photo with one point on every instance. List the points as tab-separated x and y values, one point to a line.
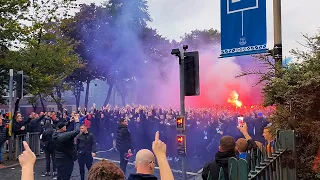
297	97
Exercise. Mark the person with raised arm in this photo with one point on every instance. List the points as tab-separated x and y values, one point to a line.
65	151
159	149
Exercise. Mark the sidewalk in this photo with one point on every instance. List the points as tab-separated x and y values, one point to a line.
13	163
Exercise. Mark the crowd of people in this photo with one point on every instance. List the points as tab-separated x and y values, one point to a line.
131	128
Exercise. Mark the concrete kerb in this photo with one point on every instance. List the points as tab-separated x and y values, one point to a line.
17	164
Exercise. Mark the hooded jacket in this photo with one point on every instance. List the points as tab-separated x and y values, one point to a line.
142	176
124	142
221	161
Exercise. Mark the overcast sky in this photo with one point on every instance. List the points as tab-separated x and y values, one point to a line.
173	18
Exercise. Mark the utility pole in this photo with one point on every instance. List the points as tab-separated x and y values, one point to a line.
182	106
10	112
277	49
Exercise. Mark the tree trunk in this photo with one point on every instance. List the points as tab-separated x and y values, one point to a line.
77	101
58	99
114	97
42	104
35	107
86	100
109	94
123	99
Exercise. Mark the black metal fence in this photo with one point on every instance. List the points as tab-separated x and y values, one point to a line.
279	165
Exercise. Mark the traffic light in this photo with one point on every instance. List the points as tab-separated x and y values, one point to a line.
191	74
181	123
181	144
19	85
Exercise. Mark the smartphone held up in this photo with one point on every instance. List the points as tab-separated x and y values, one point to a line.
240	121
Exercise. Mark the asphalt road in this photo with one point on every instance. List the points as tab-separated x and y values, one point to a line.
14	173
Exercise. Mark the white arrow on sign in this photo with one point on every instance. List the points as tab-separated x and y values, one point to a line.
234	1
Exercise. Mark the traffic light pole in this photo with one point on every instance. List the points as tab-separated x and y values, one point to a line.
10	111
182	107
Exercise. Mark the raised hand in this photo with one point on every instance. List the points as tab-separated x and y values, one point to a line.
159	148
27	158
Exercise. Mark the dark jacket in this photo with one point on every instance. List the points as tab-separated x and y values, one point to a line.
17	127
35	126
46	139
221	161
124	142
142	176
86	143
3	133
63	143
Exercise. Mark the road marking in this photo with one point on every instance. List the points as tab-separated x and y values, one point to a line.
101	152
130	163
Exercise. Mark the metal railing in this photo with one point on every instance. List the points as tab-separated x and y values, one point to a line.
279	165
33	139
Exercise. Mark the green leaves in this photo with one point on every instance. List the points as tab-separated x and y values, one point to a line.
297	95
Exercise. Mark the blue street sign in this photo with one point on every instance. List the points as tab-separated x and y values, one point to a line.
243	27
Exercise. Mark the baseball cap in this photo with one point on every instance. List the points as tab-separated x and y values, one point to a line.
60	125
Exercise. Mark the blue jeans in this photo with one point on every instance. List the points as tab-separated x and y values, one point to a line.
1	150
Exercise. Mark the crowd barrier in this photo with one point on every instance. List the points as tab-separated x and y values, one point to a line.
33	139
279	165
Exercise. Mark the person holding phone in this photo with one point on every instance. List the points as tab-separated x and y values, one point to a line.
240	121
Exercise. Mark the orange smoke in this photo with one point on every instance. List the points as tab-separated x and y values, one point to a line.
234	99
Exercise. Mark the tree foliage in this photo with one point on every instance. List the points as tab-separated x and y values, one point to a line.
11	31
115	42
297	95
46	65
24	24
11	28
198	39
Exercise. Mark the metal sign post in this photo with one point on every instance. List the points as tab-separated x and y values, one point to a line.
243	27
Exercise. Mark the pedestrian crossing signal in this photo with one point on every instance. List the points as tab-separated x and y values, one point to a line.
181	139
181	124
181	144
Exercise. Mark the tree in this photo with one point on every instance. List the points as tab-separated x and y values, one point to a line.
198	39
12	12
109	36
133	42
47	65
90	21
11	30
296	95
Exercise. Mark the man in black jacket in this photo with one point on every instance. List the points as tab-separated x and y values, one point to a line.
226	151
63	143
34	124
4	136
124	143
19	125
86	148
46	140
